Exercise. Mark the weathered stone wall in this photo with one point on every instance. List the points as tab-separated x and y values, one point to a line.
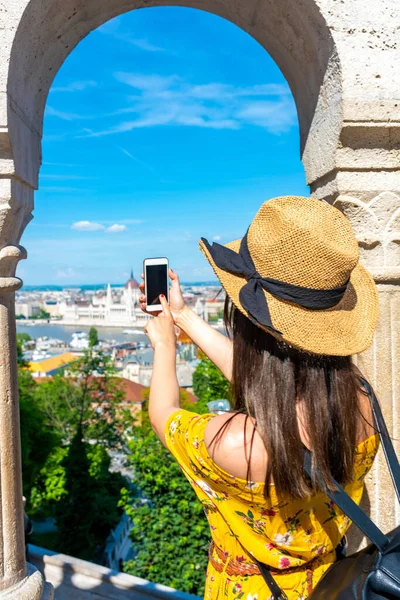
342	62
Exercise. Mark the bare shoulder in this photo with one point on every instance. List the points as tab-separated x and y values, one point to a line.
232	448
233	432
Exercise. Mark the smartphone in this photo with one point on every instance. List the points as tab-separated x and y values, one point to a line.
156	282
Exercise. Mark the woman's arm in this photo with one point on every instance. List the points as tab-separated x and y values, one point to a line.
214	344
164	388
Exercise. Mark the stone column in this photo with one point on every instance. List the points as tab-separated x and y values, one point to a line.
361	176
376	222
375	218
18	581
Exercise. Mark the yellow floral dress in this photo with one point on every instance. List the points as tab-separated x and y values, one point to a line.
296	538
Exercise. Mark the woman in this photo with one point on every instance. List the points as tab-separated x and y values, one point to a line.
299	304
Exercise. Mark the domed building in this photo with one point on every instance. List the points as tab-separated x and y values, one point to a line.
131	291
120	310
132	283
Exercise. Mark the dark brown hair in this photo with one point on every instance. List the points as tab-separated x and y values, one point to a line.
268	378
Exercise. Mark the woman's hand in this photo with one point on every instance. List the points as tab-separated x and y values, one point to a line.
176	301
161	329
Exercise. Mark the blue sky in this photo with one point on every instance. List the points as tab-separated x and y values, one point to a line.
162	126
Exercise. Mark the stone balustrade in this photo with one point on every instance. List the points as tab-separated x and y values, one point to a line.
82	580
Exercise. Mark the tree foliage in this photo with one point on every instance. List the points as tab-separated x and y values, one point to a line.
38	441
89	508
21	339
209	383
49	486
42	314
68	424
93	337
88	398
170	532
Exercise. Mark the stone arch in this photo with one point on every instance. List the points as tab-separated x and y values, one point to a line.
294	33
350	150
37	37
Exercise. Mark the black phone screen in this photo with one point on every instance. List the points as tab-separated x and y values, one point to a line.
156	283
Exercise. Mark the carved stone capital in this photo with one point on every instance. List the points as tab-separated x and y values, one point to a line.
9	258
376	224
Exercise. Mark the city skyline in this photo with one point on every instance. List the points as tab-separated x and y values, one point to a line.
153	139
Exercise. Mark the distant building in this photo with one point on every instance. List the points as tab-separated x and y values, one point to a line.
52	307
138	370
27	310
214	309
102	310
50	366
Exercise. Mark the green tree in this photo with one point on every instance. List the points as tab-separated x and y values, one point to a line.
170	532
89	397
37	440
184	402
89	509
93	337
170	521
21	339
68	425
49	485
74	511
209	384
43	314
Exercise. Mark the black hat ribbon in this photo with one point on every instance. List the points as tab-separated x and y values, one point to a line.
252	296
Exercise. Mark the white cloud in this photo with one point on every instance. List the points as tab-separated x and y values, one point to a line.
87	226
62	189
116	228
169	100
147	83
75	86
60	164
275	116
65	116
113	228
145	45
135	159
216	238
112	28
223	91
63	177
65	274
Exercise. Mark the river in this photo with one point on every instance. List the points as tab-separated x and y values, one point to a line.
64	332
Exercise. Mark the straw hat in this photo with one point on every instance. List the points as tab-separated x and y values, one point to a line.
308	243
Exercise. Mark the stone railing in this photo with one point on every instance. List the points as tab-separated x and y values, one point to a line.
82	580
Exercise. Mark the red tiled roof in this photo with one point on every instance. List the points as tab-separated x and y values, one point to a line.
133	391
191	397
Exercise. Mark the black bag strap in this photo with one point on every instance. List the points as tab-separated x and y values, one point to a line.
343	500
274	588
352	510
387	444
